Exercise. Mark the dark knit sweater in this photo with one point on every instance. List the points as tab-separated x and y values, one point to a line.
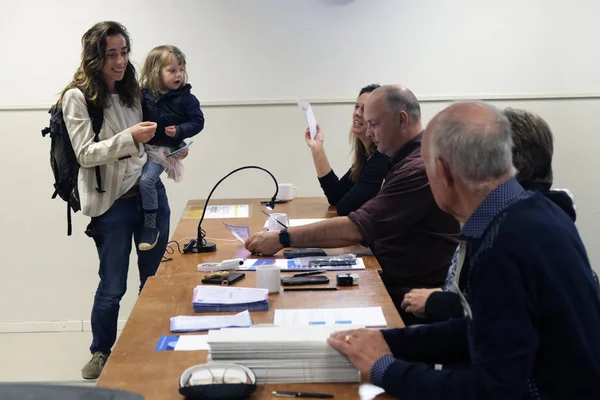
533	324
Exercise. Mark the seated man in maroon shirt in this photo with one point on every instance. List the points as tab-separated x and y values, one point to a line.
412	239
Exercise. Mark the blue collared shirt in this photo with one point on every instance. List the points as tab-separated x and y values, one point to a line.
497	201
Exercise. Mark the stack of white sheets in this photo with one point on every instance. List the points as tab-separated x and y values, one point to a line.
284	354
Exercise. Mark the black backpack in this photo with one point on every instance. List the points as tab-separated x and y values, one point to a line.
63	160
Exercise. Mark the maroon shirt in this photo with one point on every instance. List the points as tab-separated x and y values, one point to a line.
411	237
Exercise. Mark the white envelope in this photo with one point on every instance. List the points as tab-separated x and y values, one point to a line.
310	117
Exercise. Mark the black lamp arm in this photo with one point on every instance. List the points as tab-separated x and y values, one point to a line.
201	233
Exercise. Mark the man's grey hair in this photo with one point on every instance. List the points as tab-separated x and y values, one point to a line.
478	149
400	98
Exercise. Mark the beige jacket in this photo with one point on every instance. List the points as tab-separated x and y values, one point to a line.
115	143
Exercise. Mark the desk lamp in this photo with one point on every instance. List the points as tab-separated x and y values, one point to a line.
200	245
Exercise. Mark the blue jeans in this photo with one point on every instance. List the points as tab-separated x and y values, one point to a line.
112	232
150	178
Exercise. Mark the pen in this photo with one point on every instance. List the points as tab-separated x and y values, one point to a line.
303	394
297	289
273	218
320	271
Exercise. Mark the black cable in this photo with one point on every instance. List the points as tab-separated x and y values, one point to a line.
170	250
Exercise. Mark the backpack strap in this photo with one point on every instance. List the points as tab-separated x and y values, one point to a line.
69	225
97	117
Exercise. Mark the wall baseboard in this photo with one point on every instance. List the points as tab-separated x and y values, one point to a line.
51	326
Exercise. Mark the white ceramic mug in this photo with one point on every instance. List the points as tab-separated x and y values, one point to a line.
268	277
287	192
274	226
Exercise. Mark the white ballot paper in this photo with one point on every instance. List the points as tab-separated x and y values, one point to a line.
310	117
241	233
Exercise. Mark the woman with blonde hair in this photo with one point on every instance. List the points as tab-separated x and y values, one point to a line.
369	167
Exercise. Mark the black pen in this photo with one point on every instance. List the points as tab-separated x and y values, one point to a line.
297	289
303	394
273	218
318	271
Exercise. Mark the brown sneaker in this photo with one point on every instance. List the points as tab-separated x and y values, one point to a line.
93	368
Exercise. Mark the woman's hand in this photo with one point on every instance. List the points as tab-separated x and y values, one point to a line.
317	142
143	132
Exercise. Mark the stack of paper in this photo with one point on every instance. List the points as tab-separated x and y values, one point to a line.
227	298
284	354
184	323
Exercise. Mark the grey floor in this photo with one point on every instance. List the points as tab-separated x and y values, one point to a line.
44	357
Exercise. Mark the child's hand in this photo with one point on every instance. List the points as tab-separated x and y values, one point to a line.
171	131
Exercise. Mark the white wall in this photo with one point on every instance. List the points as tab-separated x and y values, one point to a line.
265	49
244	54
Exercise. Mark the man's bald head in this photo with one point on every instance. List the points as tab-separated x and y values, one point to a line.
473	139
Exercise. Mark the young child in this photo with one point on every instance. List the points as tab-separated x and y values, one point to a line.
167	100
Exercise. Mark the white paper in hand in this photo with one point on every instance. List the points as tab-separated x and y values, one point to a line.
310	117
241	233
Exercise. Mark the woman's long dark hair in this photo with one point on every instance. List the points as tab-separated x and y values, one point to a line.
89	76
361	153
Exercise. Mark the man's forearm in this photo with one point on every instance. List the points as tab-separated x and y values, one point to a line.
332	232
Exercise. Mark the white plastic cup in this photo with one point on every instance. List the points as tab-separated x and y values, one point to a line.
268	277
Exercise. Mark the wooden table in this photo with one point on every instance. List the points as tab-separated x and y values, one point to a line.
135	366
304	207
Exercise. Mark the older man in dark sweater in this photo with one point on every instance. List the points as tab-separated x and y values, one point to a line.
532	308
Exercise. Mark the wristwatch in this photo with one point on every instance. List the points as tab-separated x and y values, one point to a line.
284	238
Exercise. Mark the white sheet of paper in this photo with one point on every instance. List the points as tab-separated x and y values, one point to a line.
371	317
227	211
192	342
310	117
184	323
241	233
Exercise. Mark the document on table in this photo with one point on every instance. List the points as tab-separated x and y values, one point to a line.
194	324
310	117
187	343
221	211
371	317
241	233
285	264
229	295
